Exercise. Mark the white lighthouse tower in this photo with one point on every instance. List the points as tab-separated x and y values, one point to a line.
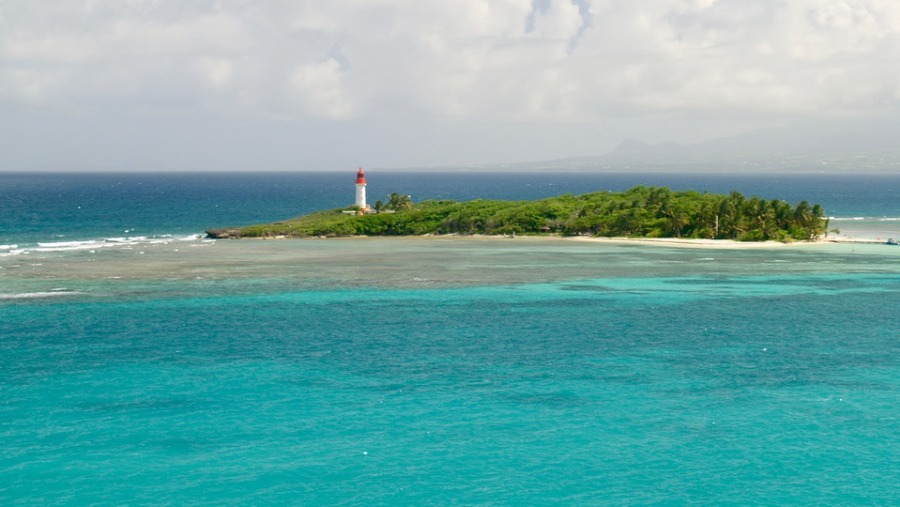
361	190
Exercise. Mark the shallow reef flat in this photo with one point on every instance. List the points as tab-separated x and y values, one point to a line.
445	261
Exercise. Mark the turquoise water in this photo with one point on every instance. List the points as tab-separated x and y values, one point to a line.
172	370
452	372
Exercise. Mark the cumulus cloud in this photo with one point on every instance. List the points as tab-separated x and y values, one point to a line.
559	61
318	89
540	59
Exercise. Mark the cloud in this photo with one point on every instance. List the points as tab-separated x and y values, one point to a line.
540	60
318	89
528	62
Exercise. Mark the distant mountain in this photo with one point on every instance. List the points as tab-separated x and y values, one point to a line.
631	150
852	145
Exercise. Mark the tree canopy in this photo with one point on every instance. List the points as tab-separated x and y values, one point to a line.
652	212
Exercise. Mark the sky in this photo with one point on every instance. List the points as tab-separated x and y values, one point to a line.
326	85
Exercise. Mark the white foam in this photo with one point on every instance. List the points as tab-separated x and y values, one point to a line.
67	244
10	250
92	245
37	295
859	219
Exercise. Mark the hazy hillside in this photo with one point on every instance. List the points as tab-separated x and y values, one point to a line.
847	146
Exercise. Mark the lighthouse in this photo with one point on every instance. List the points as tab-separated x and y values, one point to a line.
361	190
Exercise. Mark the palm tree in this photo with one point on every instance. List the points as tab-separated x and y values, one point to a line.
677	217
398	202
760	216
730	216
784	213
820	225
803	214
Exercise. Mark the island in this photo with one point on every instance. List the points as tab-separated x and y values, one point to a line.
641	212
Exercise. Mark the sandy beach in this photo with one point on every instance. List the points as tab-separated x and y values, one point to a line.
731	244
699	243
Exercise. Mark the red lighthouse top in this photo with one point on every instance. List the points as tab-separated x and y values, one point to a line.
360	177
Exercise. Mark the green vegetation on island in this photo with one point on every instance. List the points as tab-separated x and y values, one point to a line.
641	212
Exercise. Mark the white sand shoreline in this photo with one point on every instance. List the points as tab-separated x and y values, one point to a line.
664	242
711	244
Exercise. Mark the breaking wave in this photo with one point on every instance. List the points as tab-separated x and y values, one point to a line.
96	244
38	295
860	219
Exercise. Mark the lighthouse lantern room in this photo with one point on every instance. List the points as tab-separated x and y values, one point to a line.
361	190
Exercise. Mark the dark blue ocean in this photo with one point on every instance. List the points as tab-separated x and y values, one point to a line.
143	364
48	207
